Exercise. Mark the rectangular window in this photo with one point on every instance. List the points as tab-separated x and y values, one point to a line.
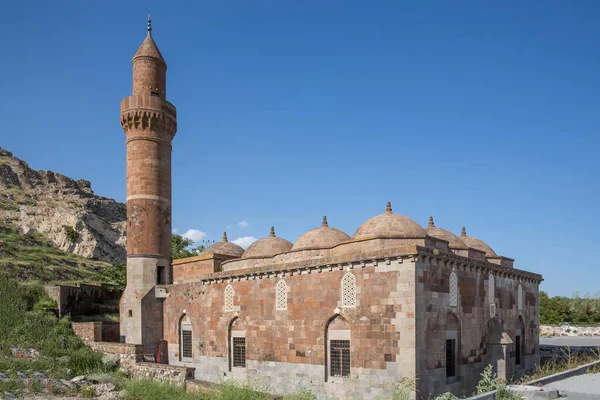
340	357
239	352
450	358
161	275
186	344
518	349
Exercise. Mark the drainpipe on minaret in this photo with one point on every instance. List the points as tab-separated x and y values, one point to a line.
150	123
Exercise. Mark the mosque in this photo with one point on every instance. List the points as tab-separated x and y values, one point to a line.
344	316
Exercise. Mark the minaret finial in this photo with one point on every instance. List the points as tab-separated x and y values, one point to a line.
224	237
272	232
324	223
149	24
431	224
464	232
388	208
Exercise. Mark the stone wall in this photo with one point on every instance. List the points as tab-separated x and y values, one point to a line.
473	322
91	332
84	299
287	348
557	330
174	375
126	354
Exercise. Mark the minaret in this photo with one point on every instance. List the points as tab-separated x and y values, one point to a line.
150	123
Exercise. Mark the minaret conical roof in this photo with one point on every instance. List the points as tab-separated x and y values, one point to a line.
149	49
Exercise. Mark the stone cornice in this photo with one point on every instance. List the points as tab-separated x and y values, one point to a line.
465	263
388	256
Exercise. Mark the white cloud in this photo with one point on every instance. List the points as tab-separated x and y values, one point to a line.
175	230
195	235
243	224
245	241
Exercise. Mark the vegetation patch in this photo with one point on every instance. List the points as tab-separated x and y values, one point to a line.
576	310
71	233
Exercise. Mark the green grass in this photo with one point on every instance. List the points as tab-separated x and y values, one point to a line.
150	390
31	257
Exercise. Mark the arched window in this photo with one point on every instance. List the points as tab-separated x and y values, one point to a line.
520	297
452	348
453	298
348	290
237	344
491	294
337	348
185	338
229	293
281	295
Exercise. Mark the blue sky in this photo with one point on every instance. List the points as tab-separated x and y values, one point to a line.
483	114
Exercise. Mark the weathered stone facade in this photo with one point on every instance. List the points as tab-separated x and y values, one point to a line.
347	317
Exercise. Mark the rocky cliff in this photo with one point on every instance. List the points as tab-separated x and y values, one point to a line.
64	210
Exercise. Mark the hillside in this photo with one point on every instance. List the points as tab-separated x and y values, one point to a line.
31	256
65	211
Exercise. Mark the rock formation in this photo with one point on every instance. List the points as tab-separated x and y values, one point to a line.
64	210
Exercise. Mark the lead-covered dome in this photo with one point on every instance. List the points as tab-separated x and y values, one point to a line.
439	233
267	247
477	244
323	237
224	247
390	225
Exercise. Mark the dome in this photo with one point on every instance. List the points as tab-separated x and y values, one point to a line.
322	237
267	247
439	233
390	225
477	244
224	247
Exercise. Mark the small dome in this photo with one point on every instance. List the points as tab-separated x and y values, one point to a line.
439	233
224	247
390	225
267	247
322	237
477	244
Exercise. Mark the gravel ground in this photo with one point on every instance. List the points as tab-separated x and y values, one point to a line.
586	386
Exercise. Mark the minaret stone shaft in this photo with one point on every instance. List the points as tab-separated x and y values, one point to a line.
150	123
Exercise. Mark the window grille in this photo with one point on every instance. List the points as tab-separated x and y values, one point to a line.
518	349
281	295
229	293
520	297
340	357
239	352
186	344
491	290
453	290
348	290
450	358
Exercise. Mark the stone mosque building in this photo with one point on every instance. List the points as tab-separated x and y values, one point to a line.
344	316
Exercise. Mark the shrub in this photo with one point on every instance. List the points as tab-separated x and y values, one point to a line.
490	382
405	390
85	360
11	385
72	234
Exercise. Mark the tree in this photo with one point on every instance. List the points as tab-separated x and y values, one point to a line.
181	247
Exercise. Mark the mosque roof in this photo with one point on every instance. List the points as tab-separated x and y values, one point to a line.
268	246
477	244
320	238
390	225
440	233
224	247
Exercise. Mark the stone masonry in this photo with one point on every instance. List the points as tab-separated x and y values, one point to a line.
344	316
150	123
